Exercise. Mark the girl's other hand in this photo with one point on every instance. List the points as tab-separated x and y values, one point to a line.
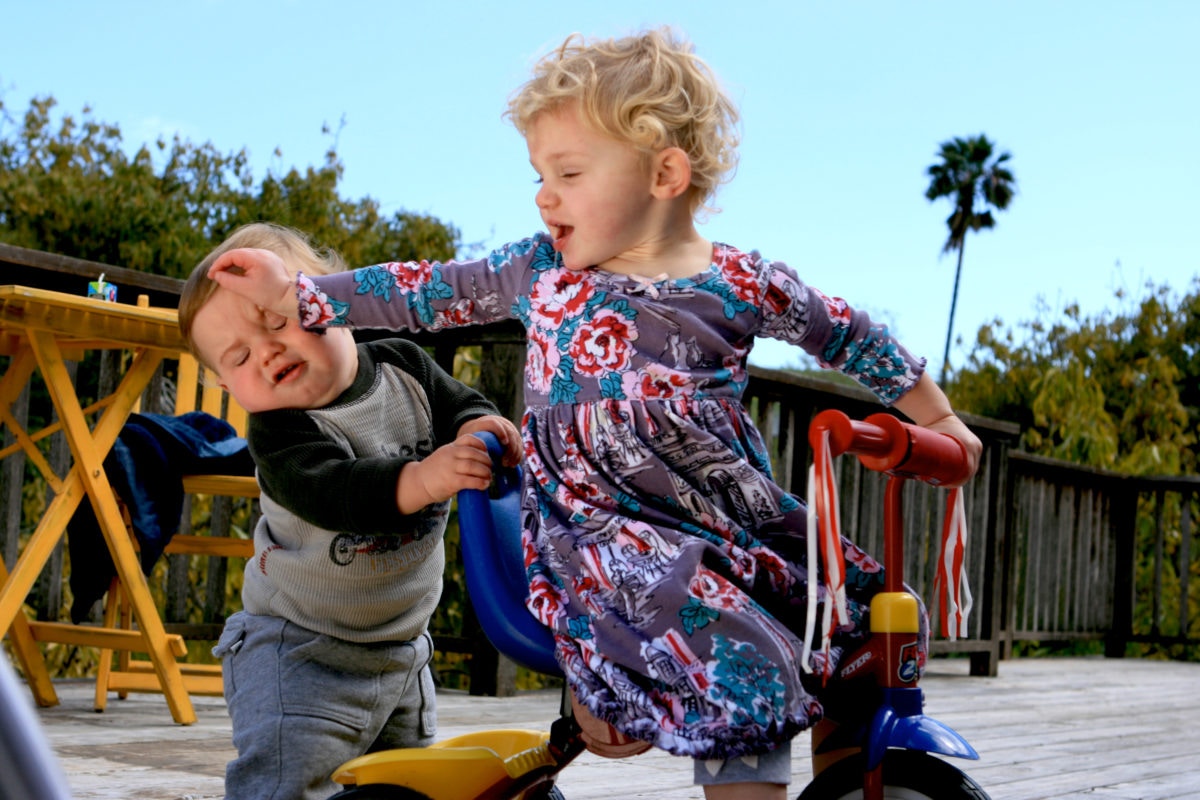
956	428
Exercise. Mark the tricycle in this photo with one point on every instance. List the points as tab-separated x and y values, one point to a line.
875	742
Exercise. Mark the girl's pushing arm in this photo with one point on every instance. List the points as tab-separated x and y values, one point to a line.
260	276
926	405
416	295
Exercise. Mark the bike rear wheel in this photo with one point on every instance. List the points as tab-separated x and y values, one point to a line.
907	775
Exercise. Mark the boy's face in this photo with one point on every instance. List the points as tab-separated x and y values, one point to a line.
595	193
268	362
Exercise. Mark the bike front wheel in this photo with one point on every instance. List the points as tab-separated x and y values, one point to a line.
907	775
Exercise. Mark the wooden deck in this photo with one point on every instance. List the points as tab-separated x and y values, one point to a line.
1045	728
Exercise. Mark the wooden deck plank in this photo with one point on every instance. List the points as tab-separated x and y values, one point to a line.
1047	729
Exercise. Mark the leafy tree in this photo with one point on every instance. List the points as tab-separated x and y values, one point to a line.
1120	390
71	187
969	176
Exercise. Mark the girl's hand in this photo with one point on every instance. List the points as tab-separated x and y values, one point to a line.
956	428
505	431
260	276
926	405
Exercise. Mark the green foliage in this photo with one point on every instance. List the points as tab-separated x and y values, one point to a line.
1118	391
70	186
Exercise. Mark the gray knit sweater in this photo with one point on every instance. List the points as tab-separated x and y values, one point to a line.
332	552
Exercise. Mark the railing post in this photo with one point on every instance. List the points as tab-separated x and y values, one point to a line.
997	566
12	479
1124	528
1185	562
47	595
503	364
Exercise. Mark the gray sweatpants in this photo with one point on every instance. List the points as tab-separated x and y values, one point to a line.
303	703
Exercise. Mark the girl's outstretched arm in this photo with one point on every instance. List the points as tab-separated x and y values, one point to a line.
926	405
260	276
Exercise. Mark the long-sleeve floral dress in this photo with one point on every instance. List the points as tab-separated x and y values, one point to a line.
669	565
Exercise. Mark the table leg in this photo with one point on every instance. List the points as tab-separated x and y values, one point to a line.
20	369
29	657
89	448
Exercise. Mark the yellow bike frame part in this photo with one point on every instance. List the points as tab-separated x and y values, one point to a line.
467	766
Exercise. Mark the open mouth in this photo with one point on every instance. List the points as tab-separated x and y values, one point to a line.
561	233
283	374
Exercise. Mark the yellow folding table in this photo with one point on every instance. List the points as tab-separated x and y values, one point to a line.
36	328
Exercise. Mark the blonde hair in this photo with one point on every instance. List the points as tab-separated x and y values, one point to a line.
650	90
293	246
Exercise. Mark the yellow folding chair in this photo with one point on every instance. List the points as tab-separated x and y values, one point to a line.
195	391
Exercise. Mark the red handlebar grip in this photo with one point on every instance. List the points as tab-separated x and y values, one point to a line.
885	444
928	455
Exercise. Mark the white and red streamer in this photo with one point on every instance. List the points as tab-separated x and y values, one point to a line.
950	582
825	520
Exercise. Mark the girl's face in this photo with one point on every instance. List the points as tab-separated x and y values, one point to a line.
269	362
595	194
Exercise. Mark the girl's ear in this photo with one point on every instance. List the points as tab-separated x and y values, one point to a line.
672	173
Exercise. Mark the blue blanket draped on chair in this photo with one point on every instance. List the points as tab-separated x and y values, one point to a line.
146	467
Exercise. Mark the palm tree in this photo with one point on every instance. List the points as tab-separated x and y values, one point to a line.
966	175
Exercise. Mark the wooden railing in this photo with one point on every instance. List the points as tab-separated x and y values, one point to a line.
1057	552
1100	555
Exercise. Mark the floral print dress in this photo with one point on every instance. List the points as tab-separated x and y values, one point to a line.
669	565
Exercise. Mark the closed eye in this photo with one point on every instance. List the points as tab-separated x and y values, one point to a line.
273	321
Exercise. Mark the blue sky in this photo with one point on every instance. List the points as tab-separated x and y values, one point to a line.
843	107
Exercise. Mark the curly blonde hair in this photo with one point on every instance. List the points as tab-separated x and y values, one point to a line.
293	246
650	90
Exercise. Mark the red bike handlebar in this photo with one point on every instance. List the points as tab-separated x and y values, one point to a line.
886	444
